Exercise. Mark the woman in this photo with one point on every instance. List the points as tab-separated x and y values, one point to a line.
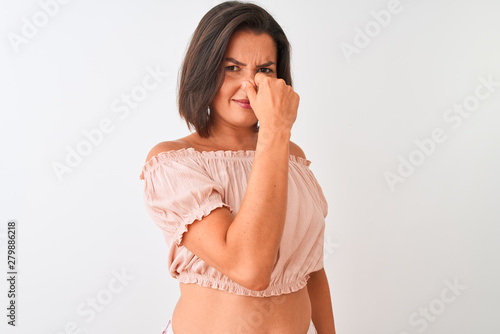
241	211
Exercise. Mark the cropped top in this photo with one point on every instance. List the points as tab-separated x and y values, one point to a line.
185	185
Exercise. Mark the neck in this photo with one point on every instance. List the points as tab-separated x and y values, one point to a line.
234	138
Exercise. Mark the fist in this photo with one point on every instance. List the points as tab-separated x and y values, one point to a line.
274	103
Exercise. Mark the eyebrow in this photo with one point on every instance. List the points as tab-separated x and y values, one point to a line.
240	63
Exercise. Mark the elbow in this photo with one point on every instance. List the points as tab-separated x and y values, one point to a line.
256	280
253	273
261	284
261	278
262	275
257	285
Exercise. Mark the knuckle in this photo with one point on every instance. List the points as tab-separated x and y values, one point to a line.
260	75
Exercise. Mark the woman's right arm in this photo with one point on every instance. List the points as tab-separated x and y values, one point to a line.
253	238
245	248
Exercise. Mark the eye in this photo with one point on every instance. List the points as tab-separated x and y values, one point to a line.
230	68
267	69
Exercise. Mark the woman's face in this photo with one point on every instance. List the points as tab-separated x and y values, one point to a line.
246	55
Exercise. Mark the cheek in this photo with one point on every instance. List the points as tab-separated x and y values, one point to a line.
229	89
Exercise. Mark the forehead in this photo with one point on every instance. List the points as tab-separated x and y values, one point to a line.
248	45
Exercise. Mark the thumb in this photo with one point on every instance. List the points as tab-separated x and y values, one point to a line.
249	90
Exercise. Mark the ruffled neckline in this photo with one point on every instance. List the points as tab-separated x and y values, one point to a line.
220	154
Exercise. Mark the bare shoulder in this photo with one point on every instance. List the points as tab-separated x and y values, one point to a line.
296	150
166	146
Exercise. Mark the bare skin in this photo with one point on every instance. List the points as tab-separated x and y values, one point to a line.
216	311
244	247
198	306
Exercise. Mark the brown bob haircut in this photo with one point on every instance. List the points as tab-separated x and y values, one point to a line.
199	79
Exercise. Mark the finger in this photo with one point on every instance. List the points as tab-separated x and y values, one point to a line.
249	90
258	79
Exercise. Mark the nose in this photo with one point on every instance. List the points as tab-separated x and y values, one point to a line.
250	77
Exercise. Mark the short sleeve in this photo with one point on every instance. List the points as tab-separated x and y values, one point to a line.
319	195
318	248
177	192
320	251
324	202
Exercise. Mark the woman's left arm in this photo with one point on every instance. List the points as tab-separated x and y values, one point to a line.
321	303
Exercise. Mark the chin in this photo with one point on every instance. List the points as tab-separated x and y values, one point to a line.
244	115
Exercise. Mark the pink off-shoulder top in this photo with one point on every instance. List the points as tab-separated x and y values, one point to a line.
184	185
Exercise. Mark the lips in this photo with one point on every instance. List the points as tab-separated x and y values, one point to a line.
243	103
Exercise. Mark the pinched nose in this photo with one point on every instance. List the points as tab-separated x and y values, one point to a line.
249	77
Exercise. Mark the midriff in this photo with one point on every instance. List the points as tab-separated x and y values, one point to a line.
204	310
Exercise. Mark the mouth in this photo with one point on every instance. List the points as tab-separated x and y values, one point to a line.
243	103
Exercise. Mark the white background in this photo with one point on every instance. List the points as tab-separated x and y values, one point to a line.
388	253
